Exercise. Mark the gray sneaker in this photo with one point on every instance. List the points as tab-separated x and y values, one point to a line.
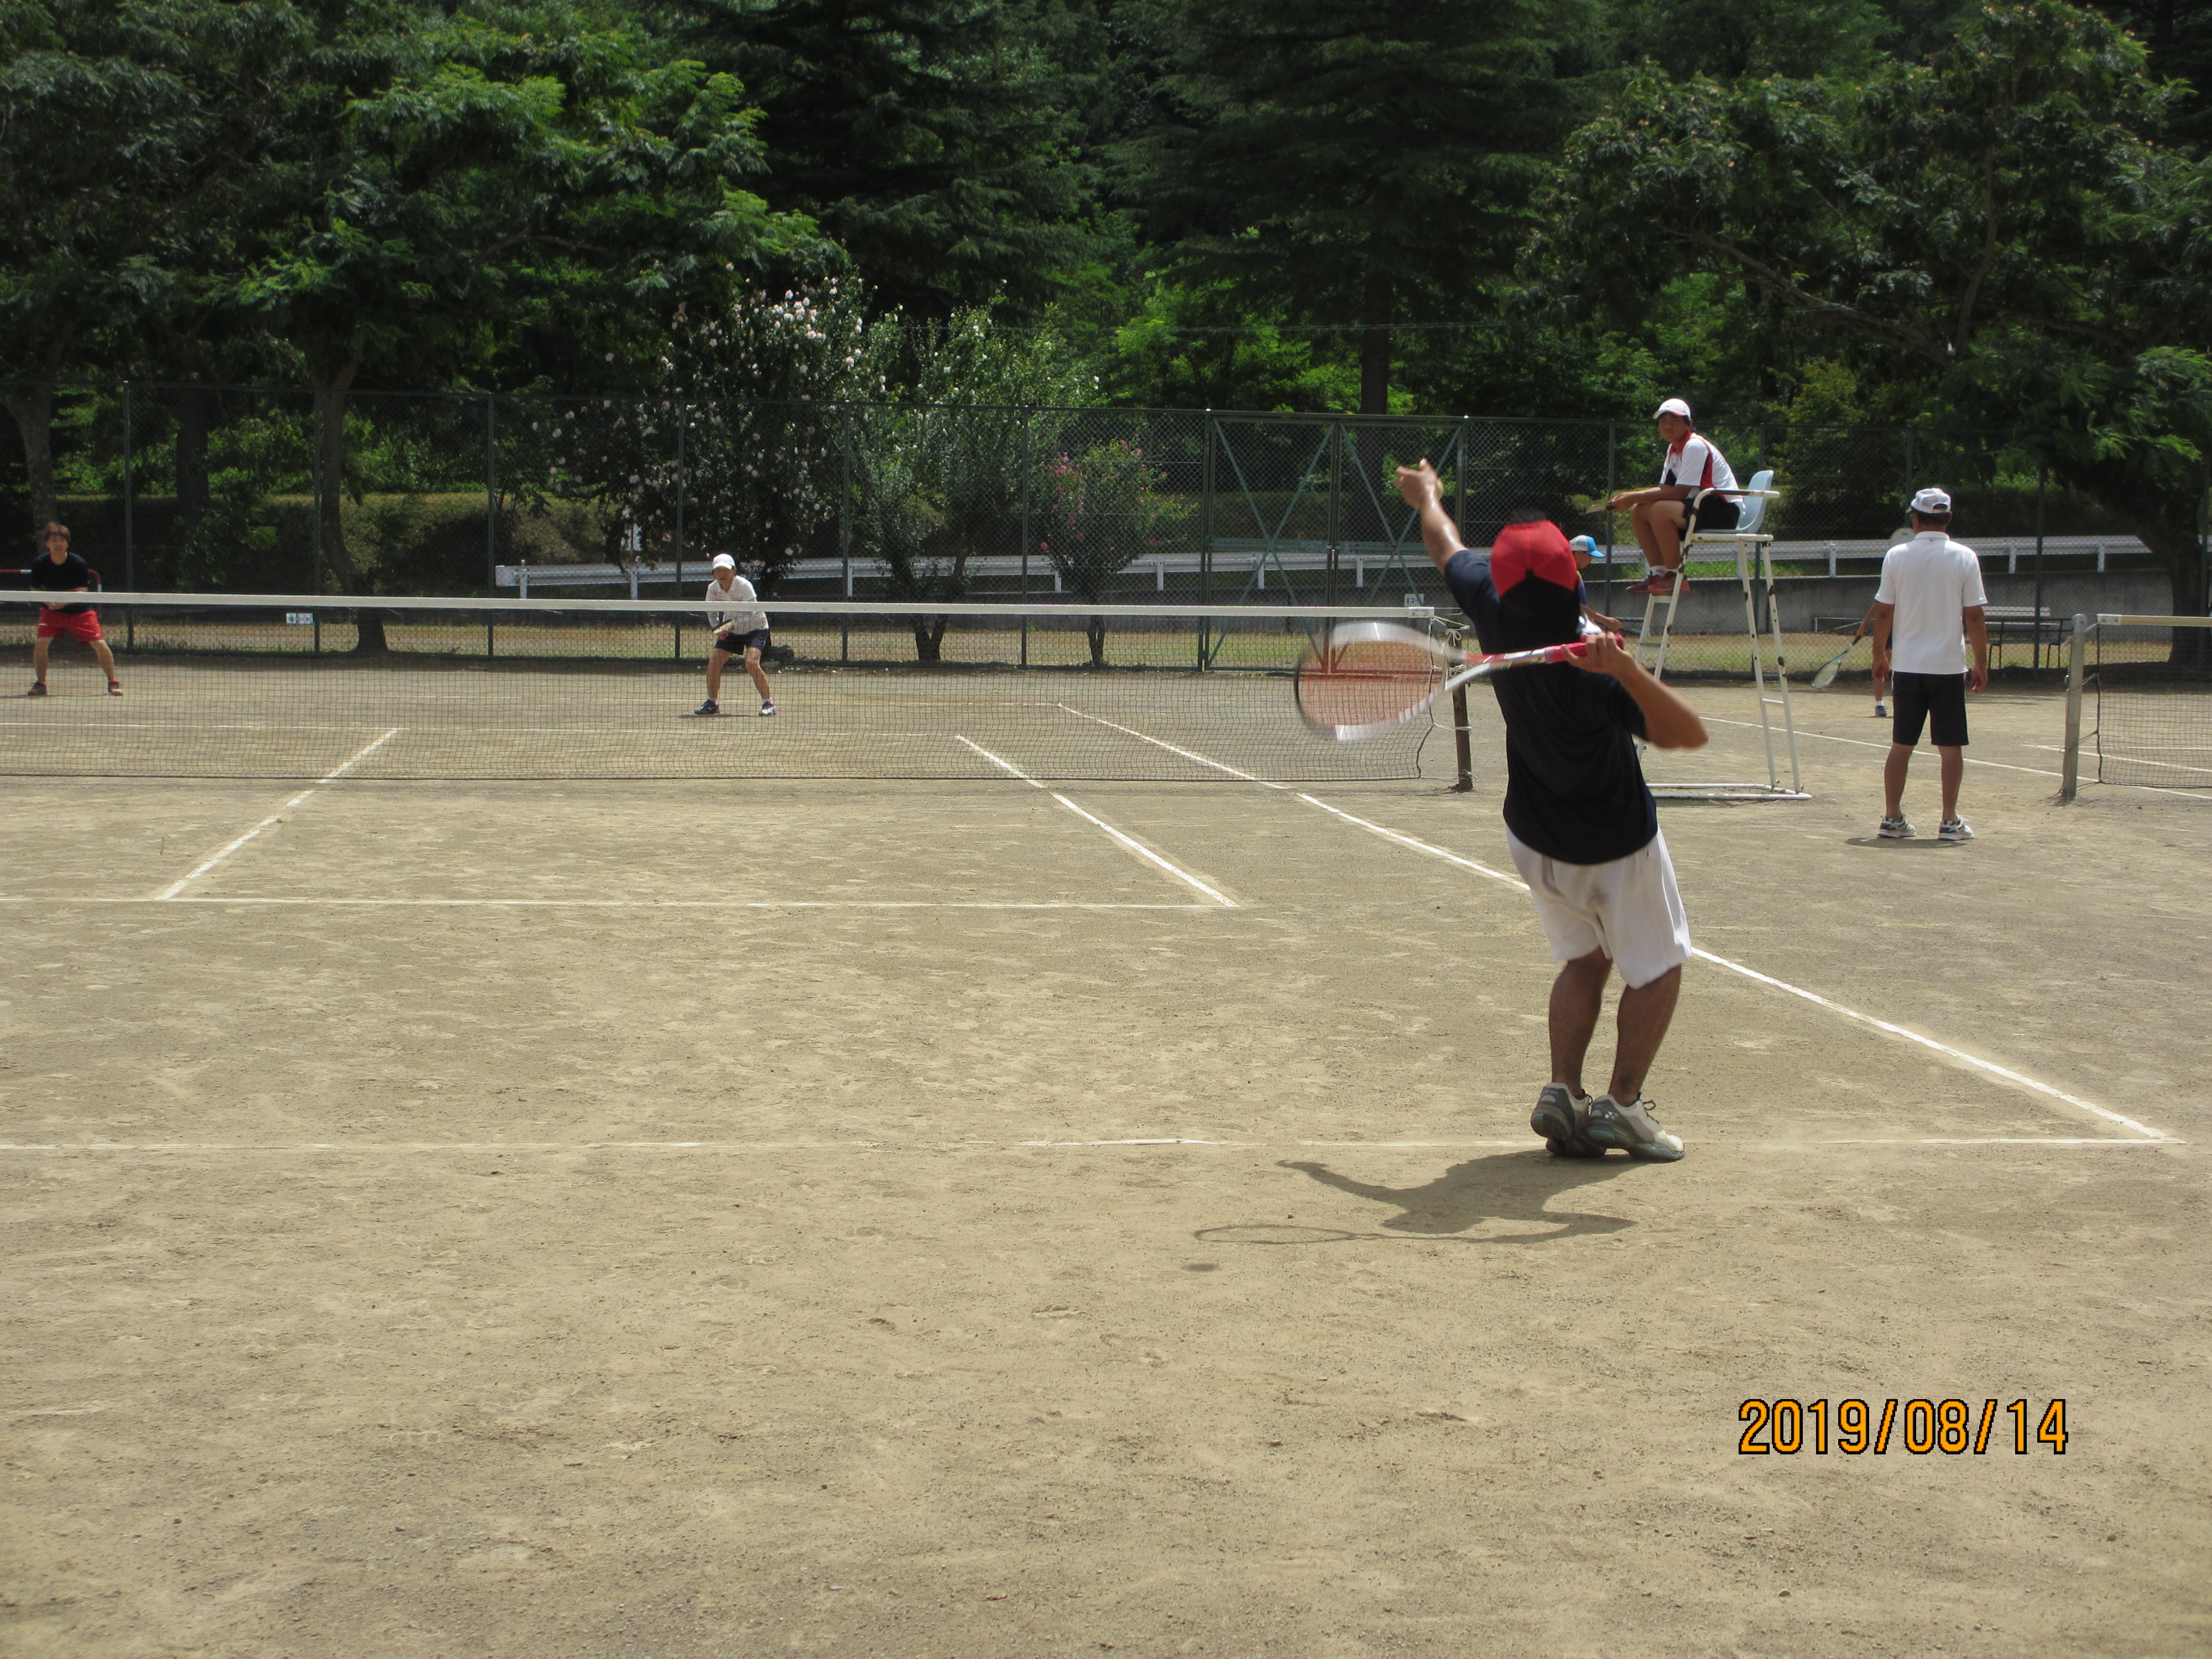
1896	829
1559	1118
1954	830
1632	1128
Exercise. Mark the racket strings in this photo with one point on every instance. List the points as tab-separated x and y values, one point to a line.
1360	686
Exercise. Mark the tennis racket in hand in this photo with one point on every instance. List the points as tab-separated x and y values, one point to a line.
1825	675
1366	678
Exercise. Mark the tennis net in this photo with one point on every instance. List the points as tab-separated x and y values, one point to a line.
282	688
2151	725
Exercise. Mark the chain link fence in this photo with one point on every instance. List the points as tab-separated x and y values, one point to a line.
214	489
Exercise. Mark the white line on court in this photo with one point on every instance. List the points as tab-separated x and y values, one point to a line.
2000	766
520	1147
1162	743
1906	1033
220	899
360	755
1129	842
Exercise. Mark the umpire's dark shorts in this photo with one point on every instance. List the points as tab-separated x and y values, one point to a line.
1938	699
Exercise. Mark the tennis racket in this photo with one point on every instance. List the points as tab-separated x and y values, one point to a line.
1368	678
1825	675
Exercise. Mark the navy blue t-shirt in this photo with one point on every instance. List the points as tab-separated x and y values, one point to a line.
72	573
1574	790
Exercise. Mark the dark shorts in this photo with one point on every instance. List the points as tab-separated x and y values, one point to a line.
738	644
1940	700
1719	512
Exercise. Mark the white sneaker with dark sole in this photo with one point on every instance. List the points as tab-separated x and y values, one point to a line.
767	709
1954	830
1559	1118
1896	829
1633	1129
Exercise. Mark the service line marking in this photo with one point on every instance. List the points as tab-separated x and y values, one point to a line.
1130	843
2004	1073
176	888
220	899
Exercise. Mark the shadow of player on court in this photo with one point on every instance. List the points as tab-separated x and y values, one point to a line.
1505	1186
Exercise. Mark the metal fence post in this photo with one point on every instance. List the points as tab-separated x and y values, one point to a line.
2069	774
315	487
1029	465
845	522
2042	474
683	420
1335	510
491	514
130	540
1205	539
1612	487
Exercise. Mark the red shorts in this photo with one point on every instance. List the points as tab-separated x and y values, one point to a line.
84	626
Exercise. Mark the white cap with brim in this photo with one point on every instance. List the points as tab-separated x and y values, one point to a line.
1588	547
1672	406
1931	500
724	561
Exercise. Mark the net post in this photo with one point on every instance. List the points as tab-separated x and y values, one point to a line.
491	511
1028	466
1463	743
845	523
1205	542
2069	774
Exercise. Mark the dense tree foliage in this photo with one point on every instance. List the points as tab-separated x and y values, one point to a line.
1940	213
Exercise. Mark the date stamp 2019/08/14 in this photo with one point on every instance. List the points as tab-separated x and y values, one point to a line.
1786	1427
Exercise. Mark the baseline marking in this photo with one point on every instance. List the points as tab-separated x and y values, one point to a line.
1906	1033
518	1147
633	904
360	755
1129	842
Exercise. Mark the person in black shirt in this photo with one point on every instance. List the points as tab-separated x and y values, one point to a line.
1580	821
60	571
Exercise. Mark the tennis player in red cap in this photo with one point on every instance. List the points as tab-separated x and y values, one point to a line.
1580	821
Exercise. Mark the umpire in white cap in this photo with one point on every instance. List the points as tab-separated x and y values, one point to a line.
1926	612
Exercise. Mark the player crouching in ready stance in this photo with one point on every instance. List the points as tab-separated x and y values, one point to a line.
1580	821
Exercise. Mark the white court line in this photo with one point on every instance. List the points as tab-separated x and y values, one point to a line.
1522	1143
1162	743
630	904
360	755
1127	842
1906	1033
2000	766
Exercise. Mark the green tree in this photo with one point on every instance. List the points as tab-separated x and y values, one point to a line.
1351	159
124	126
937	141
1100	512
444	182
1999	227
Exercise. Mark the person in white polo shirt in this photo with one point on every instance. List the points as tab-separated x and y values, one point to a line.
1926	611
740	629
1660	515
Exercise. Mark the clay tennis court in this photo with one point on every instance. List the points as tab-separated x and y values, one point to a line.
971	1219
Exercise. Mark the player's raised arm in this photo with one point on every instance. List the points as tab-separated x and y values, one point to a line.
1423	493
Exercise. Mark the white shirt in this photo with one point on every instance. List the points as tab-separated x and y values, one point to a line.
732	609
1930	580
1697	462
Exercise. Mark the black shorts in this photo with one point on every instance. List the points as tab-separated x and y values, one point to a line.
1940	700
1719	512
738	644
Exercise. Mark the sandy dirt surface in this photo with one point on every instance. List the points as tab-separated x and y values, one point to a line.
870	1219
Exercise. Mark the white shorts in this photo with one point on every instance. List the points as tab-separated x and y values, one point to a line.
1629	908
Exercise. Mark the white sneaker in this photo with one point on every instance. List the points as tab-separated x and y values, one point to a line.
767	708
1632	1128
1896	829
1954	830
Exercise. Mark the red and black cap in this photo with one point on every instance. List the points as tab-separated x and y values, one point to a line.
1539	587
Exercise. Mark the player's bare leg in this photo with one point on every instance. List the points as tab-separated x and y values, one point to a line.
38	661
1666	520
107	664
753	667
1894	770
1954	768
715	658
1578	1000
1639	1027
